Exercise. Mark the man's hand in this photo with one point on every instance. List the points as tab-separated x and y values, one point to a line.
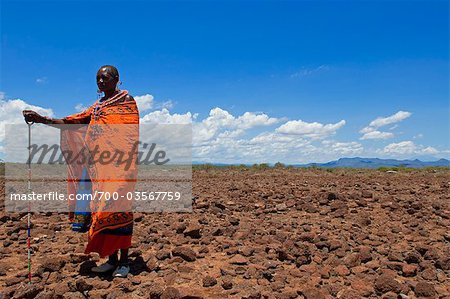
32	116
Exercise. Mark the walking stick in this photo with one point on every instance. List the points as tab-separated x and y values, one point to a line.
29	203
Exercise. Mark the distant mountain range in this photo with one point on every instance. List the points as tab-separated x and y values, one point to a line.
358	162
375	163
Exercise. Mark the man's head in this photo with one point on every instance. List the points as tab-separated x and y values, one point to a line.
107	78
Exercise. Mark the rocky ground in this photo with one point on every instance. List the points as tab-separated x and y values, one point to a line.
273	233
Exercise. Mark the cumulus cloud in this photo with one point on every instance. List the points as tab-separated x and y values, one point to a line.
344	148
250	137
11	112
395	118
377	135
311	130
164	117
407	148
219	121
228	138
372	132
144	102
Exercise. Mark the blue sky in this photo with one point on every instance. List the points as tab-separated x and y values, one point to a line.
315	62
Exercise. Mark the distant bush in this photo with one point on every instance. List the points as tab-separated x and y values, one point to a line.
436	168
260	166
279	165
206	166
403	168
238	167
313	166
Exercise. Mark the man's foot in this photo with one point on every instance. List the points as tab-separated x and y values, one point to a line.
121	271
103	268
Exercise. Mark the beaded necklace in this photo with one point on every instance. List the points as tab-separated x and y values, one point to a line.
99	105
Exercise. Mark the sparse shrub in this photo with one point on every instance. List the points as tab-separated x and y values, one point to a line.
207	166
279	165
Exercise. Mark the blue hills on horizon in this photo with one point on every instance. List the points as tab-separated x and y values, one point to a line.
358	162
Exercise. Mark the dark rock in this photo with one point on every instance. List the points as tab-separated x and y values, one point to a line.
185	253
154	290
238	260
389	295
352	260
443	263
78	258
413	257
424	289
209	281
180	228
227	284
366	194
171	293
332	196
27	291
152	265
82	285
386	283
365	253
162	255
246	251
193	231
53	264
312	294
49	294
234	221
409	270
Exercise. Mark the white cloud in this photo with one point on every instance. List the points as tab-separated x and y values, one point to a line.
164	117
395	118
311	130
11	114
344	148
372	132
220	120
250	137
144	102
80	107
303	72
407	148
167	104
41	80
401	148
377	135
430	150
223	137
393	127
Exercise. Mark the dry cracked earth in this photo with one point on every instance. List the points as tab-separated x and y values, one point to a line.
274	233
